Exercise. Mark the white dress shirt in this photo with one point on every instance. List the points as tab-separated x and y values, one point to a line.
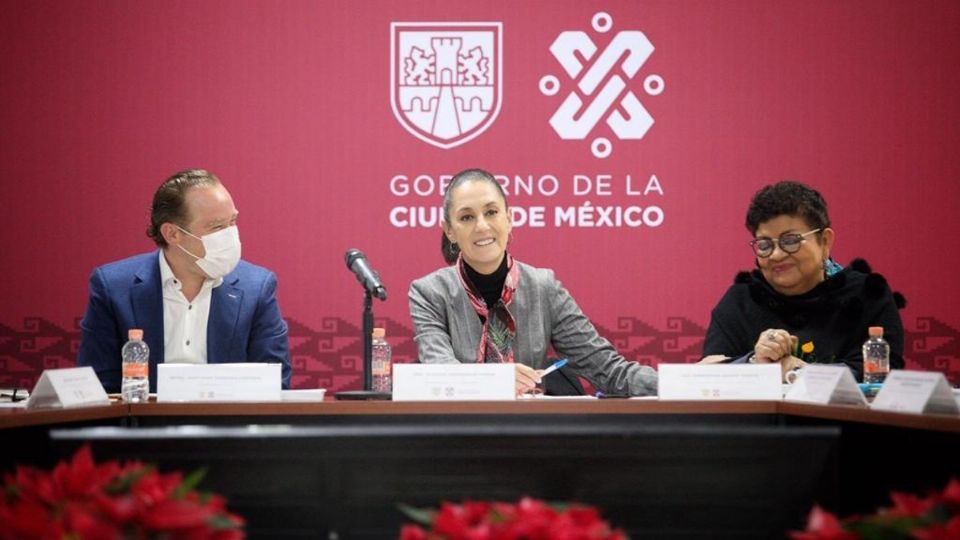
184	323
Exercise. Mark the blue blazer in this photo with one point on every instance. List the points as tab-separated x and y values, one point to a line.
245	324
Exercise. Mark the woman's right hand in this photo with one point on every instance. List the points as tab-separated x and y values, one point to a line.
772	345
526	377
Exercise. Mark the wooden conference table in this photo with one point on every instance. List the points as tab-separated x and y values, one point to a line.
659	469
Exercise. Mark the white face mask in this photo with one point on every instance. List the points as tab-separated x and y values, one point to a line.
223	251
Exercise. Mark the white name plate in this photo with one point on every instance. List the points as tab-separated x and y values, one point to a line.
454	382
720	382
246	381
70	387
826	385
921	392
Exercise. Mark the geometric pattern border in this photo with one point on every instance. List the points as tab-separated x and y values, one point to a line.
330	356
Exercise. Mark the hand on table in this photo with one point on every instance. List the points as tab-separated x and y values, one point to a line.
788	365
527	378
772	345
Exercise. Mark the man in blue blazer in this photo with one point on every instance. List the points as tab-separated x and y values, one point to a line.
194	299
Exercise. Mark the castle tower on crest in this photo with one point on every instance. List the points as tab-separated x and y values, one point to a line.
446	51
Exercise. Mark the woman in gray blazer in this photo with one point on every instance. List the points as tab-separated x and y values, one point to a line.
488	307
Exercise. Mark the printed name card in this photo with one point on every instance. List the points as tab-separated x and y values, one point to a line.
218	382
826	385
719	382
454	382
916	392
71	387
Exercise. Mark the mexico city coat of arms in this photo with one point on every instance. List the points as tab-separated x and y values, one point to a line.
445	79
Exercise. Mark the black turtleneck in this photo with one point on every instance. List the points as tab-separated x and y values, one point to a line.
490	286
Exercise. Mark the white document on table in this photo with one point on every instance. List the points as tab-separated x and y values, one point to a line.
920	392
247	381
304	394
69	387
826	385
719	382
454	382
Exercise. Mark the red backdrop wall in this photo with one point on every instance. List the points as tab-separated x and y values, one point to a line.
290	103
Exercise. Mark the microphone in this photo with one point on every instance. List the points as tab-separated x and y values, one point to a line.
357	263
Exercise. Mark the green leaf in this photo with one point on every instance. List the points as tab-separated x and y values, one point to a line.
423	516
222	522
12	491
884	528
123	484
189	483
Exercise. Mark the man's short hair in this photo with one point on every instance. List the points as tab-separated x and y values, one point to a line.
169	202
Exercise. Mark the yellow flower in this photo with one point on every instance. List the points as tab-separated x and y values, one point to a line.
807	347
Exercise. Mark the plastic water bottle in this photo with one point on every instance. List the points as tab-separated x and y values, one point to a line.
380	364
136	368
876	356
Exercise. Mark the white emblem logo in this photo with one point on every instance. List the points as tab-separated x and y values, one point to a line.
445	79
575	120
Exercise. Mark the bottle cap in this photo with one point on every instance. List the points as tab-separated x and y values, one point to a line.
379	332
875	331
135	333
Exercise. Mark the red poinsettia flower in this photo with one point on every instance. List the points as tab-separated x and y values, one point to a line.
80	499
28	519
176	514
119	509
465	521
153	487
412	532
951	494
528	519
80	477
79	519
946	531
822	525
907	505
936	517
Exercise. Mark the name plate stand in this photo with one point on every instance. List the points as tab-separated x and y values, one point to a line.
248	381
720	382
826	385
70	387
920	392
454	382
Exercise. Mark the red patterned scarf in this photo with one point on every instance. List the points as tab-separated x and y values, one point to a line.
499	326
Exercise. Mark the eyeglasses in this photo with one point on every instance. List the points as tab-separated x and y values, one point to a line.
789	243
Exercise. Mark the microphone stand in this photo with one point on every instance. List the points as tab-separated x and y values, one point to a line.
367	393
368	341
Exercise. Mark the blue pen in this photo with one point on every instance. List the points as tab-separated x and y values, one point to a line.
601	395
556	365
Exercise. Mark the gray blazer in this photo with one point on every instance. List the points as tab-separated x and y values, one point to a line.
447	330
